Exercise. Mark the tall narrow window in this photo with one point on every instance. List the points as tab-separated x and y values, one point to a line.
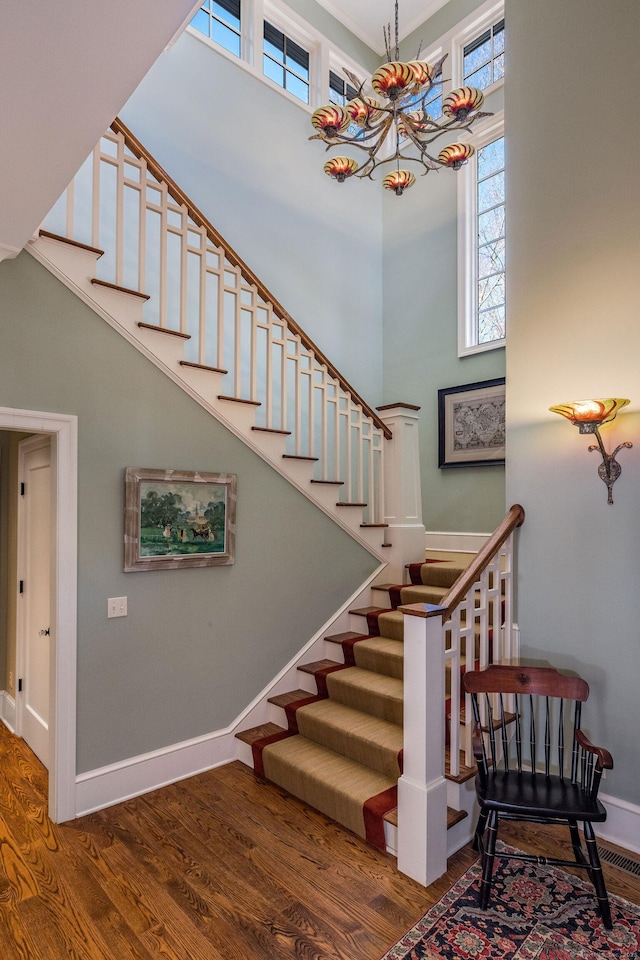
491	247
482	318
285	62
220	21
483	58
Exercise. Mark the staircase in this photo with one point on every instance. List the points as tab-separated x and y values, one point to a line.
363	730
130	244
339	746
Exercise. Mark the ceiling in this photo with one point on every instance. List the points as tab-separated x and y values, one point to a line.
366	18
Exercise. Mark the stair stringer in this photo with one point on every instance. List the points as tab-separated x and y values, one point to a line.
75	266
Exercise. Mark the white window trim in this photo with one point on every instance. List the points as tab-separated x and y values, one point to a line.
483	19
490	130
323	55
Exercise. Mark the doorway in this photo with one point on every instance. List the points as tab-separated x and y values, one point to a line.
61	432
33	633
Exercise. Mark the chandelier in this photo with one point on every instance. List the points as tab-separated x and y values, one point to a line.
385	131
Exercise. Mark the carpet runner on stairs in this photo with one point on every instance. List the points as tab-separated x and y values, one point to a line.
341	751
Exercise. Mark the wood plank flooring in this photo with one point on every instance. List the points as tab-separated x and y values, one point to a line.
217	867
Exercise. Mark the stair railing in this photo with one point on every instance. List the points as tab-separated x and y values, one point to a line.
472	625
478	628
157	242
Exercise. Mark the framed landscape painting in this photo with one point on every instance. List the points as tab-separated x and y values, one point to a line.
471	424
178	518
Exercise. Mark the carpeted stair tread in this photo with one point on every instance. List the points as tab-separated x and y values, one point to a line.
380	655
369	692
442	574
347	635
425	593
336	786
292	696
391	625
318	665
259	733
363	611
368	740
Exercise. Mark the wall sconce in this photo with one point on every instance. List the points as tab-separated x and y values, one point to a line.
587	416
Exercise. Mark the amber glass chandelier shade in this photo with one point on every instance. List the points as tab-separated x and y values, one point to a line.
462	102
391	79
422	71
399	181
363	110
339	168
456	154
592	412
330	120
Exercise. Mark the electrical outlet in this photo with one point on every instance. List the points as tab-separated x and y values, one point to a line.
117	607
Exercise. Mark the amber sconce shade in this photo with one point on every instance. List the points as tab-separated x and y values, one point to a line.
588	416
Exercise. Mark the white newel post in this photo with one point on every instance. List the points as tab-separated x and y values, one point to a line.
422	788
402	489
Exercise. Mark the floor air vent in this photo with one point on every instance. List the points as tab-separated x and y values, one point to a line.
620	861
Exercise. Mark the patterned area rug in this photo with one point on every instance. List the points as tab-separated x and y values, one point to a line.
536	913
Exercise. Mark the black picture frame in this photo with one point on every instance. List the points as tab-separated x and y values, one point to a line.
471	424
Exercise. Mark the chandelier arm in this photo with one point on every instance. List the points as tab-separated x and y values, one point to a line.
430	162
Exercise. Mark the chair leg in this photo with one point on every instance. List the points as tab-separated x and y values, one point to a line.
482	822
597	876
576	843
487	860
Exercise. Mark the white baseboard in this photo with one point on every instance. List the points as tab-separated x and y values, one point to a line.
105	786
456	542
8	710
622	825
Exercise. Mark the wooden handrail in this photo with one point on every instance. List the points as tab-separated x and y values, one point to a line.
515	518
198	217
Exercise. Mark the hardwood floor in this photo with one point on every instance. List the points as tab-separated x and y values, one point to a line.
218	867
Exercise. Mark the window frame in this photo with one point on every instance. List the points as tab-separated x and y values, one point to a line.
478	40
237	57
490	130
283	64
464	34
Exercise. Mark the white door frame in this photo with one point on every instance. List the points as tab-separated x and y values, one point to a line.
64	591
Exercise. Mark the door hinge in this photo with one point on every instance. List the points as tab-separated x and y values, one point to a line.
20	685
22	489
22	586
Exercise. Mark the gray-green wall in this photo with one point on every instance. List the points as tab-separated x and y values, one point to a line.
197	645
573	291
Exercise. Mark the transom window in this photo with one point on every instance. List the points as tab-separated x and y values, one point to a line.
483	58
285	62
340	92
491	248
433	101
220	21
